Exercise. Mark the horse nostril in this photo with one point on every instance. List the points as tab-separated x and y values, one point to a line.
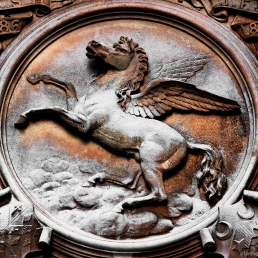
95	43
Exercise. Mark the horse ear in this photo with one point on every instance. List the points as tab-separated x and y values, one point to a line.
122	40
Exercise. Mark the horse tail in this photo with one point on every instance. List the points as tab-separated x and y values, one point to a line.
210	177
68	88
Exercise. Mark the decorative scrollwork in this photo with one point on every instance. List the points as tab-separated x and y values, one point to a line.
15	15
247	214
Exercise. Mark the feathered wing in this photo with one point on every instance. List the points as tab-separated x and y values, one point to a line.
164	94
179	70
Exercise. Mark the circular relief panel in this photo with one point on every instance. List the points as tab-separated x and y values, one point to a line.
103	172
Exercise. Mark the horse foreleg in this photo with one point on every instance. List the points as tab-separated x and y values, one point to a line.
68	88
76	120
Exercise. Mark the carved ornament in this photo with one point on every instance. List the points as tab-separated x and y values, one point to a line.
240	15
219	9
16	14
20	232
235	228
40	6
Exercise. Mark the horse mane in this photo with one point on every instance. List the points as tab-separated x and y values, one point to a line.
136	78
142	63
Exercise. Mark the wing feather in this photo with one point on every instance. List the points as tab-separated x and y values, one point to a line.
179	106
160	109
148	112
187	69
131	110
154	111
144	102
136	111
181	75
156	99
164	106
191	105
168	103
142	112
150	101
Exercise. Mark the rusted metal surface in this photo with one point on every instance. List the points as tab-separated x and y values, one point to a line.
131	149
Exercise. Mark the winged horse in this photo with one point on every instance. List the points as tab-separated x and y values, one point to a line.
116	115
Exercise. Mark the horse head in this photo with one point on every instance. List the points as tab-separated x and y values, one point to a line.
118	57
124	56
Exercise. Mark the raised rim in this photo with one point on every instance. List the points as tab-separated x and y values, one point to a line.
34	37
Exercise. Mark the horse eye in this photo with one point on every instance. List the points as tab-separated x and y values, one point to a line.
123	50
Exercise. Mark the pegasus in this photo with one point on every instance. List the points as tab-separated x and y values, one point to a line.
119	115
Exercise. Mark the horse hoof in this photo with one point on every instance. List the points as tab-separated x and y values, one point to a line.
87	184
117	209
22	122
33	79
91	181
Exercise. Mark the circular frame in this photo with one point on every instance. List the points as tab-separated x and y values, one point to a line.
22	51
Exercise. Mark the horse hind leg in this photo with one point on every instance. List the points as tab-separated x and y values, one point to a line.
153	167
210	176
154	180
157	194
